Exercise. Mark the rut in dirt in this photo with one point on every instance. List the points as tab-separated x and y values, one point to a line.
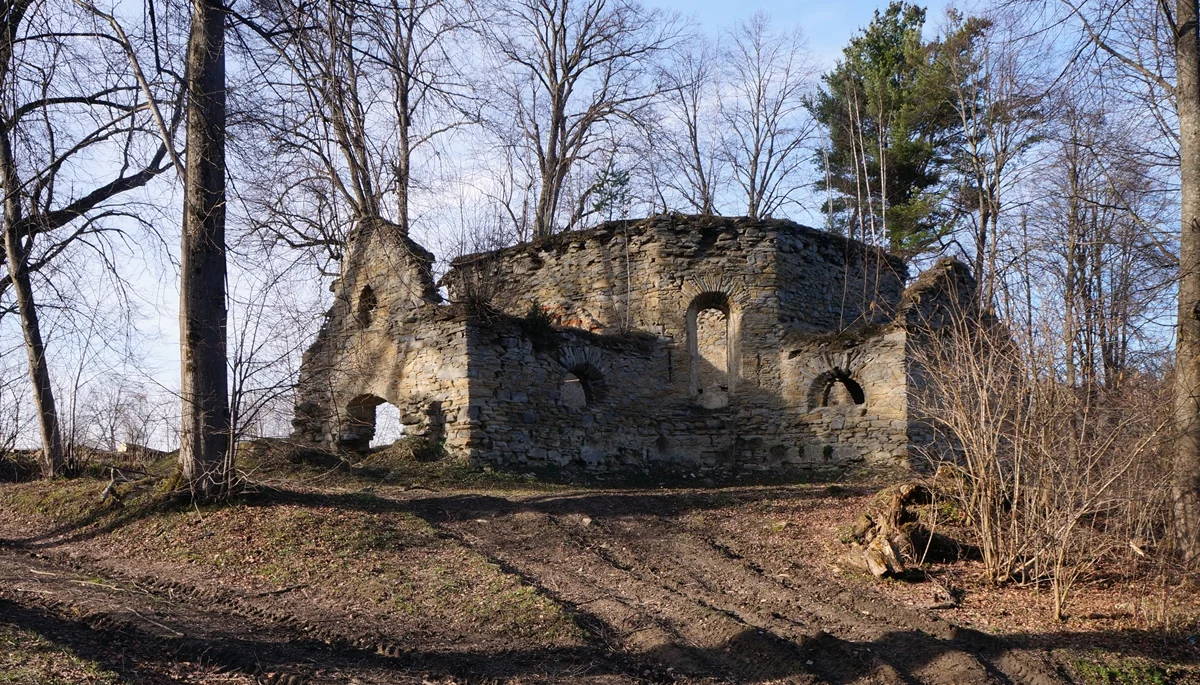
148	630
661	598
677	595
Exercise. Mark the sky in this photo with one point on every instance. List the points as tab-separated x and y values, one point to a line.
828	24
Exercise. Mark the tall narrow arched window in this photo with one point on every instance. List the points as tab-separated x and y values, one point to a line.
364	313
712	337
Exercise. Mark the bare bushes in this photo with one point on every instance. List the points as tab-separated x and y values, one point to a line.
1055	479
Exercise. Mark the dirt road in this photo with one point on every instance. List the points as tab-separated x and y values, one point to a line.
666	586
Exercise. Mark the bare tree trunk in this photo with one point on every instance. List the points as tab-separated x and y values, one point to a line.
1187	354
548	197
53	459
204	435
404	87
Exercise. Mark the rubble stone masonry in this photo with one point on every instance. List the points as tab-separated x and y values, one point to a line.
697	342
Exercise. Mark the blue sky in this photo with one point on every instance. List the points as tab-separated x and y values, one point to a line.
827	25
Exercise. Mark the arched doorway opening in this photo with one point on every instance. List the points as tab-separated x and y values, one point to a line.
370	421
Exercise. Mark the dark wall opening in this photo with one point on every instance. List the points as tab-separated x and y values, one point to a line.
364	313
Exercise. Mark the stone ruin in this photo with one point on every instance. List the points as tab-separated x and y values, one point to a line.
673	342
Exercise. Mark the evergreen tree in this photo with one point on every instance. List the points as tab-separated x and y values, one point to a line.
888	109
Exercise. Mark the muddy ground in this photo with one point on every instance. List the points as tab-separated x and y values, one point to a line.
334	581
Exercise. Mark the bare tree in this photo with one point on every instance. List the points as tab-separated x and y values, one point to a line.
570	69
272	321
68	102
204	423
1098	210
770	78
1040	468
690	137
1159	51
1000	105
1186	26
348	98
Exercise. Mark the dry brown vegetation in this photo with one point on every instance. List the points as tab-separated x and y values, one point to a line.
1053	480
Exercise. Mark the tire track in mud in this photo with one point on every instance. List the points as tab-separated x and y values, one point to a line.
65	602
662	600
337	655
993	653
694	602
694	632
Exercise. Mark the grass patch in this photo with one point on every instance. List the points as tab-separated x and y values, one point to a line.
1122	671
30	659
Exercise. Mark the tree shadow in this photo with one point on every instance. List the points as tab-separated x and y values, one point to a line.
84	527
437	508
749	656
753	655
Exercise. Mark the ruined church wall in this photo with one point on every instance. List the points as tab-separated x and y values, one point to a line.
423	372
828	283
621	276
642	276
521	419
383	339
873	434
490	390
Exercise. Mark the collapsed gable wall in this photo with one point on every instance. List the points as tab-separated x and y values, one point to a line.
383	339
941	301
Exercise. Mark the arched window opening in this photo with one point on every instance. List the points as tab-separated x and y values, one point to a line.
582	386
573	394
841	391
367	302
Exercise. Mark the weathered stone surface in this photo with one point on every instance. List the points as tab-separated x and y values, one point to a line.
698	341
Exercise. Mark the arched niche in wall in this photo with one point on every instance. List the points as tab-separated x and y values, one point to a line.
834	388
713	338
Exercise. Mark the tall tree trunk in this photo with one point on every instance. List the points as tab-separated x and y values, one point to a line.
547	205
1187	354
404	152
204	439
981	250
53	459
